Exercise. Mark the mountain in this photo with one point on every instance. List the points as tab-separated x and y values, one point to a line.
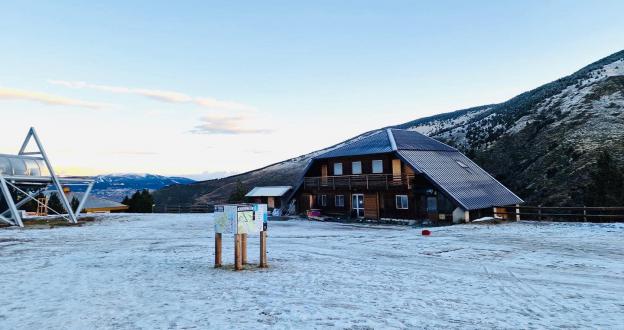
117	186
543	144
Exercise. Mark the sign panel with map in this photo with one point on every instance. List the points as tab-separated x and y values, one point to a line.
240	219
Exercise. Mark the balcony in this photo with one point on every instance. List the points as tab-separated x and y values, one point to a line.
364	181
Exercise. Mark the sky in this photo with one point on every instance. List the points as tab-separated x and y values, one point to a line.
204	89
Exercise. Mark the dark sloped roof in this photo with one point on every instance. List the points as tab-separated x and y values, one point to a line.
410	140
462	180
376	143
453	173
92	201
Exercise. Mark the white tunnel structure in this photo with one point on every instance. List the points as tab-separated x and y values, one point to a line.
27	174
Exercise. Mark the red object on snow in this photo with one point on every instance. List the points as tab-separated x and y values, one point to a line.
426	232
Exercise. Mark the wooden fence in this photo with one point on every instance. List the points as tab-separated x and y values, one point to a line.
562	213
183	208
535	213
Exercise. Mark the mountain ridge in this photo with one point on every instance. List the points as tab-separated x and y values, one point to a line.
541	143
116	186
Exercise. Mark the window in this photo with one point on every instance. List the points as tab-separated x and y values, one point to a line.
19	167
32	168
337	168
323	200
464	166
401	202
378	166
356	167
339	200
461	164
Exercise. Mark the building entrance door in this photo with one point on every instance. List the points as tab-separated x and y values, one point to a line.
432	208
357	204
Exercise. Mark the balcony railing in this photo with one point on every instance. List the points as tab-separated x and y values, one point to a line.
364	181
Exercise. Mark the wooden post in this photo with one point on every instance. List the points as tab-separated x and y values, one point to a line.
244	249
517	212
238	264
263	254
539	212
584	213
217	261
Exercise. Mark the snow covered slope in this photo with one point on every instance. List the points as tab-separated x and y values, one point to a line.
155	272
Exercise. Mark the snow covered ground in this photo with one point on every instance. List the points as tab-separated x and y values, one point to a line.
155	272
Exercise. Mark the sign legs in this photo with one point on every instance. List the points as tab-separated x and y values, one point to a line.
238	257
240	250
263	254
218	250
244	249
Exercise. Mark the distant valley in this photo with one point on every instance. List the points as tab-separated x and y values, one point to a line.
117	186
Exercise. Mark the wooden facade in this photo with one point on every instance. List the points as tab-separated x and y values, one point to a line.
371	187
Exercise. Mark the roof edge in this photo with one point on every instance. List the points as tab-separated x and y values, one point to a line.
391	139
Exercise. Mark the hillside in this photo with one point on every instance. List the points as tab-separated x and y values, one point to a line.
543	144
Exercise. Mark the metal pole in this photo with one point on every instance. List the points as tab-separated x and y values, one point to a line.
23	201
55	178
10	203
84	198
7	221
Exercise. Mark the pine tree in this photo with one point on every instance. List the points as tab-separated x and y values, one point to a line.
75	203
55	204
140	202
239	192
134	202
147	201
607	183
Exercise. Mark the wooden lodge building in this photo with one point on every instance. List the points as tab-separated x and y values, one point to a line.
400	174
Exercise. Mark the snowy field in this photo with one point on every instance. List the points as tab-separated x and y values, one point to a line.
155	272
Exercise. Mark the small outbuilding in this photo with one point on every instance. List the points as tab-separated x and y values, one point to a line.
273	196
92	203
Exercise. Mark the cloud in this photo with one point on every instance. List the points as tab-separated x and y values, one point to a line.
206	175
158	95
134	153
216	124
47	99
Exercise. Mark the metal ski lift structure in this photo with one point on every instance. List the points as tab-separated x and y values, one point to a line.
29	173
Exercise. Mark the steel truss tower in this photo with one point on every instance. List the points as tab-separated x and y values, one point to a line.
29	173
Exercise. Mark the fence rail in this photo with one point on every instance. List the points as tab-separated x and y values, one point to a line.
363	181
562	213
183	208
534	213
